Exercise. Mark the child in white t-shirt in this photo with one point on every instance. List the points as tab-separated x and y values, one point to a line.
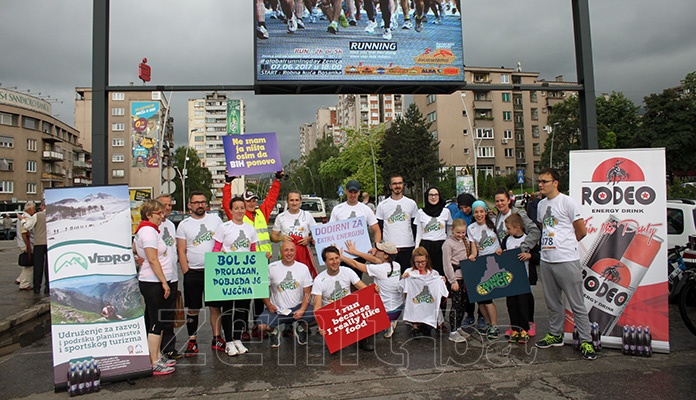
386	274
518	305
484	242
424	289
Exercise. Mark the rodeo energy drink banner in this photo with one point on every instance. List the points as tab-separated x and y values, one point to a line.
96	308
624	255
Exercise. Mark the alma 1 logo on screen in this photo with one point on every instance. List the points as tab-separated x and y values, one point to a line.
318	47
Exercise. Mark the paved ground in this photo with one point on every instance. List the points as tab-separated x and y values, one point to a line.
400	368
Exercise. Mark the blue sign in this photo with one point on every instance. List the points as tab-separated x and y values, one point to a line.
341	191
520	177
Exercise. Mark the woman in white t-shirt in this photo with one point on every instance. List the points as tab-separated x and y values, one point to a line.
433	221
154	279
235	235
294	225
386	274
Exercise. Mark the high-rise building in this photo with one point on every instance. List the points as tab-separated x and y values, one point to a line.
504	129
140	135
37	151
209	119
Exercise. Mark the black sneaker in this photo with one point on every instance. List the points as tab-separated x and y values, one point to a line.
191	348
218	344
275	337
367	344
301	334
173	355
588	351
550	340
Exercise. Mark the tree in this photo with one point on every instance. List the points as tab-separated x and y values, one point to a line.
198	178
669	123
411	150
354	161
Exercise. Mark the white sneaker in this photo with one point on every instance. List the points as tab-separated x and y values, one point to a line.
394	23
387	35
407	24
463	333
292	24
371	25
456	337
231	349
241	349
390	331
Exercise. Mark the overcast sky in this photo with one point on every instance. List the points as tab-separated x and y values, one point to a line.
639	47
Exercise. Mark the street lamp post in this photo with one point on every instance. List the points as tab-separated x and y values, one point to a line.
374	163
473	145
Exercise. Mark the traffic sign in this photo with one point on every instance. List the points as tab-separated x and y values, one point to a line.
168	173
520	177
341	191
168	187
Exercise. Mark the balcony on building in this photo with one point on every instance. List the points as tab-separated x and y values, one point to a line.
482	78
49	155
81	181
483	119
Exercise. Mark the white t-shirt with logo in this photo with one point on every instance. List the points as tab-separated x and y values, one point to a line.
168	233
236	237
558	242
423	295
513	243
294	224
387	278
483	237
287	283
397	216
332	288
148	237
344	211
198	234
433	228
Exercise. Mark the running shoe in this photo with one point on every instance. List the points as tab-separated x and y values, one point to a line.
333	28
301	334
300	23
456	337
408	25
241	349
508	333
524	337
532	329
588	351
437	21
513	337
493	332
343	21
231	349
371	25
352	22
218	343
275	337
169	362
191	348
390	331
159	368
292	25
174	355
468	321
261	32
550	340
481	324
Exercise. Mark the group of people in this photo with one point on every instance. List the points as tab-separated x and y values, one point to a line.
31	241
416	257
348	13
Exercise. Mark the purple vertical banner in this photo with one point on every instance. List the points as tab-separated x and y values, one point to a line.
250	154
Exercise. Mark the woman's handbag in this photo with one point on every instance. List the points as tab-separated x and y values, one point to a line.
24	260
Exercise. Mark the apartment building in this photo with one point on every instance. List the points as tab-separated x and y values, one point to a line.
209	119
37	151
504	130
140	135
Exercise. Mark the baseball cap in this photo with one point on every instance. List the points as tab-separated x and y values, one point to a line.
387	247
249	195
352	185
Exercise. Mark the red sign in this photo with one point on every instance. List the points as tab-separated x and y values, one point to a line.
352	318
144	71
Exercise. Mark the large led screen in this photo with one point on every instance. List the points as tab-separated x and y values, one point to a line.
368	45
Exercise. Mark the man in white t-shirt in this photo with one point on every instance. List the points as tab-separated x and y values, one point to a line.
290	292
168	233
562	228
352	208
194	238
335	283
395	216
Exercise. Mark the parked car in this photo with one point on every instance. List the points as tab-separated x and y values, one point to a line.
176	218
681	221
315	206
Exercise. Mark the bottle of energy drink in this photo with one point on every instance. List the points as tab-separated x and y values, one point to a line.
72	380
641	340
576	338
647	349
97	376
625	340
632	341
80	378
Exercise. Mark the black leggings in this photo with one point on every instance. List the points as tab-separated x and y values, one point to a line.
159	312
235	315
459	302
